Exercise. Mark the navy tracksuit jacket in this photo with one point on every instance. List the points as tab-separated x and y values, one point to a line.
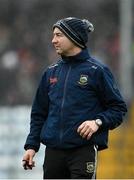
74	90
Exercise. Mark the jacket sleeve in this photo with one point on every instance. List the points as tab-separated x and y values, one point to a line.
39	114
111	99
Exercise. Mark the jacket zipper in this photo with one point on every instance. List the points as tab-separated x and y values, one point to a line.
63	100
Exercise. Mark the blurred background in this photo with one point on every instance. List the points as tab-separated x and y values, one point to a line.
26	50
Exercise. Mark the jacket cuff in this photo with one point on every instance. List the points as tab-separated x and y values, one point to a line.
26	147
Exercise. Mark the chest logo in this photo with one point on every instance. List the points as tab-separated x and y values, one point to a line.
83	80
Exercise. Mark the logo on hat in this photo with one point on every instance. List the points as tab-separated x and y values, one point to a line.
83	80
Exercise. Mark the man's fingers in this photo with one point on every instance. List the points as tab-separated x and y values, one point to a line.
80	127
27	161
31	161
26	164
87	128
84	130
89	135
85	133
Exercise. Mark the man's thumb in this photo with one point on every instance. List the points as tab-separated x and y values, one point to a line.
31	160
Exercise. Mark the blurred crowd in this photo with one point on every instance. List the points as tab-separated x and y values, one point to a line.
25	40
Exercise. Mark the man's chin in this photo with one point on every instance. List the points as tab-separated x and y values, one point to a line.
59	52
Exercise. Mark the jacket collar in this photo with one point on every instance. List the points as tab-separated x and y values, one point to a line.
82	56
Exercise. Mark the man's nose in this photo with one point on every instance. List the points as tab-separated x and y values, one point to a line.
54	40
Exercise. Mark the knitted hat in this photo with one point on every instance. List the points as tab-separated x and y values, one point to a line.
75	29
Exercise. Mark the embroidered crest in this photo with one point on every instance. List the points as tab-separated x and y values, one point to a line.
90	167
83	80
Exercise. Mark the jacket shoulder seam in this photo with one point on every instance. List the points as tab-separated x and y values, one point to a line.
55	64
95	65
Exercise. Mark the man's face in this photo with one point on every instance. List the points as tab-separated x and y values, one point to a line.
61	43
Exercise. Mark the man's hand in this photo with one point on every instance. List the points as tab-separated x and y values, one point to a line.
87	128
27	160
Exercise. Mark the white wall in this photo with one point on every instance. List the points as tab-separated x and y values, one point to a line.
14	128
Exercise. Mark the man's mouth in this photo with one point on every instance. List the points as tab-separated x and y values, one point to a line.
57	47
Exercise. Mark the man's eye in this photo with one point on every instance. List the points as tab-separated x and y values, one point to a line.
59	35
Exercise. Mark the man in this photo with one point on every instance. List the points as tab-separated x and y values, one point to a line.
76	104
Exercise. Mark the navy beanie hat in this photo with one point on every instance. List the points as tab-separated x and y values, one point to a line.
75	29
